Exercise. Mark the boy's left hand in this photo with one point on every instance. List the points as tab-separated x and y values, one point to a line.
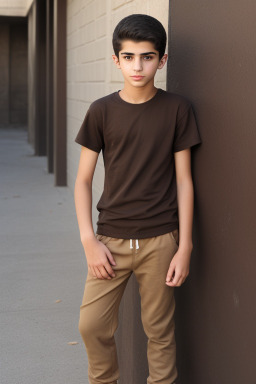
179	268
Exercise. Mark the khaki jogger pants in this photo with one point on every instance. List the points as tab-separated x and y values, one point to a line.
149	259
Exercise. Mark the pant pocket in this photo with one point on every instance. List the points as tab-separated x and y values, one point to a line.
175	236
104	239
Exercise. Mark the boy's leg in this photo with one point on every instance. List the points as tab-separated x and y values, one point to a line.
99	315
157	305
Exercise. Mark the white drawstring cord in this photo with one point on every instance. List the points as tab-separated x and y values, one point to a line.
137	244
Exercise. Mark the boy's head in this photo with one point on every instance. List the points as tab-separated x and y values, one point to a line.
139	27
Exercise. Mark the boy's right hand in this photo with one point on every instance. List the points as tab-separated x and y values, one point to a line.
99	258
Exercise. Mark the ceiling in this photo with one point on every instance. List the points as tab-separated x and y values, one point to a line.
14	7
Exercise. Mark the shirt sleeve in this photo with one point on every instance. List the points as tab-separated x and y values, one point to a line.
90	134
186	131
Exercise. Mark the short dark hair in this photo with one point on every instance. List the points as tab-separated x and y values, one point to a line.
140	27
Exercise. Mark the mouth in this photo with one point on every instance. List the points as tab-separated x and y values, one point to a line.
137	77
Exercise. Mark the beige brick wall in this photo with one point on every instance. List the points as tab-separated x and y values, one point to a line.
90	71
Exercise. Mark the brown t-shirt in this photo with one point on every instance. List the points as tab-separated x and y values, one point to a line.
139	199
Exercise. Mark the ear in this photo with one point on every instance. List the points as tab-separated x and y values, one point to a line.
116	61
162	61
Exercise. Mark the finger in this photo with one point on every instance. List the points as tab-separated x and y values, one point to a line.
175	279
110	257
180	281
94	272
103	272
98	274
109	269
170	273
184	278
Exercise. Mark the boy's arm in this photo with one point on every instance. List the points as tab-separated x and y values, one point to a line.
179	266
83	193
97	254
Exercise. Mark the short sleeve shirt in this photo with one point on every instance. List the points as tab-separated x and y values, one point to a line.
138	142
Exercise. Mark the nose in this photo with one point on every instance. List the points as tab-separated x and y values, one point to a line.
137	64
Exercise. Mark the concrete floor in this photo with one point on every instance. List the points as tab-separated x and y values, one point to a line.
41	261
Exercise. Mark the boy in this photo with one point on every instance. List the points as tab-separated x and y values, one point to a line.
146	208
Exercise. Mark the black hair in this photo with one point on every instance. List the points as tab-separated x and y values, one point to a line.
140	27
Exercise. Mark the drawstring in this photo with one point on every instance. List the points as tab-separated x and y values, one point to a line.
137	244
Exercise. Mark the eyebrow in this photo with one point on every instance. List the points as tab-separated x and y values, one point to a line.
142	54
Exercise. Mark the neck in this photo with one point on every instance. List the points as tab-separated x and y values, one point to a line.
137	95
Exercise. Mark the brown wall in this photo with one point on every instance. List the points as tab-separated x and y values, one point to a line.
13	70
212	56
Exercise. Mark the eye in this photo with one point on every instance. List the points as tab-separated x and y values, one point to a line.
128	57
147	58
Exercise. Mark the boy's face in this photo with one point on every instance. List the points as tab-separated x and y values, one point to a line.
138	62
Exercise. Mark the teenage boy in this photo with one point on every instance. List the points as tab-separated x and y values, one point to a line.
146	208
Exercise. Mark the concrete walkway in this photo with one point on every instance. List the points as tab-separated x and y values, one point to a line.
41	261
